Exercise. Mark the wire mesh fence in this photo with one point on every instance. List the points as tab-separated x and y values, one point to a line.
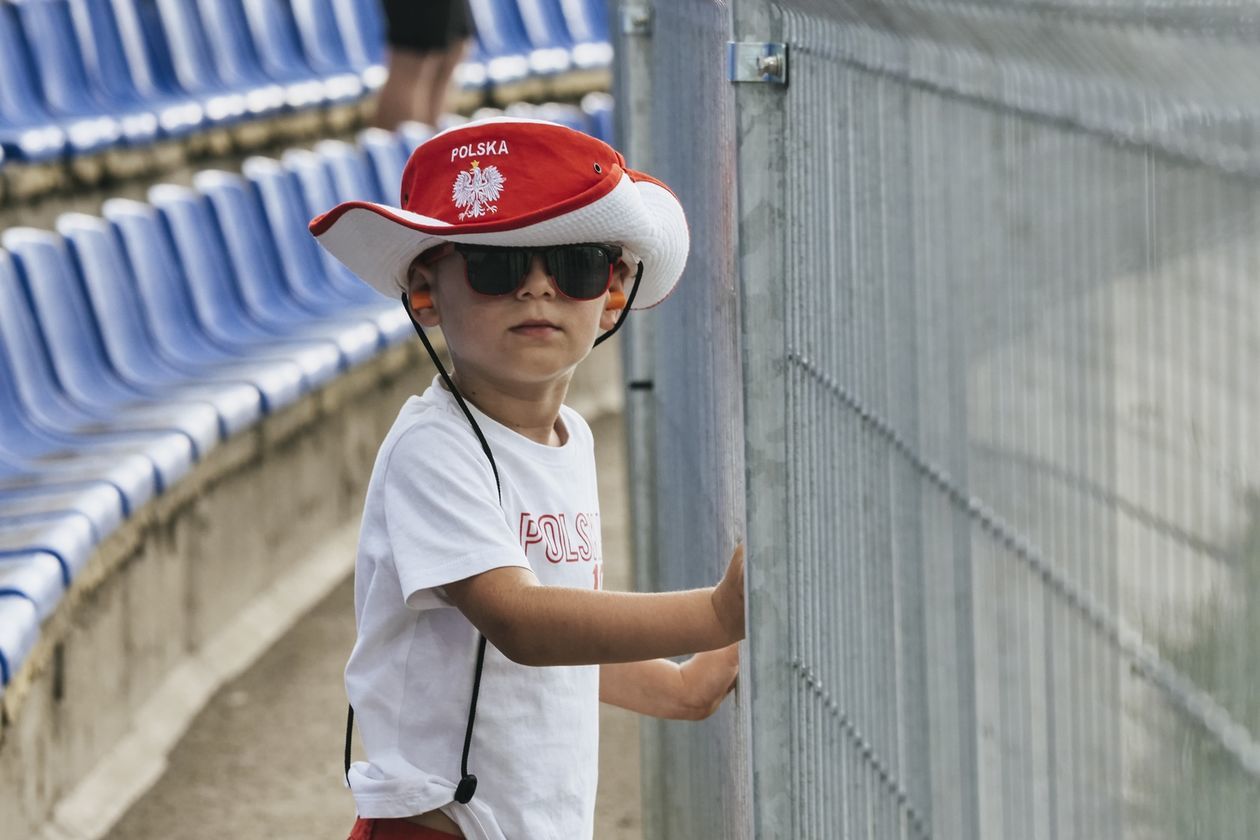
969	342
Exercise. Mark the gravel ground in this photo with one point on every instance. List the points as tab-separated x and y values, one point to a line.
264	758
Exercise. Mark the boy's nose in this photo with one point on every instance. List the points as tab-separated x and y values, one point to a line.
536	282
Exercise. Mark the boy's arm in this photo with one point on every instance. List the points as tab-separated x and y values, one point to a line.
534	624
665	689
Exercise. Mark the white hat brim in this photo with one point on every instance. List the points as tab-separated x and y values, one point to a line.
378	242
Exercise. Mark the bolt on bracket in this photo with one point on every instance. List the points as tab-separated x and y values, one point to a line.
754	61
636	19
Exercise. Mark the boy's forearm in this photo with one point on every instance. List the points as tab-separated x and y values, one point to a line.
652	687
562	626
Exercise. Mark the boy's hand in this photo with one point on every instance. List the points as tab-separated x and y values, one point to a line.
707	678
728	597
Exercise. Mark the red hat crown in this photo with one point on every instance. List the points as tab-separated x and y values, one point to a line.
503	175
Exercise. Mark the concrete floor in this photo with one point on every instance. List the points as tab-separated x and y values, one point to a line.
264	758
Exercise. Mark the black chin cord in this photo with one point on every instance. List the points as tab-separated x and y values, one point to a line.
468	782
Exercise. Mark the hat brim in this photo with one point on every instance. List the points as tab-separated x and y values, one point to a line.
378	242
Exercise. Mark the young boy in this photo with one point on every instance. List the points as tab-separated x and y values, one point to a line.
522	240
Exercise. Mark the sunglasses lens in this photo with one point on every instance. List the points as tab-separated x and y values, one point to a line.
496	272
581	271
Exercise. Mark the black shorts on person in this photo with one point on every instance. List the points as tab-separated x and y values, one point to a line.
427	25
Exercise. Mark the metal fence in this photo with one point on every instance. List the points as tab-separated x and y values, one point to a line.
968	343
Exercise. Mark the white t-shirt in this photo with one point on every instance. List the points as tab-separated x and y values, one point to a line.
432	516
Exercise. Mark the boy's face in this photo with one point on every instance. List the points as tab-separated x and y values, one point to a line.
531	336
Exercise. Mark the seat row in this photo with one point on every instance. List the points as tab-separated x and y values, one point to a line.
81	76
133	343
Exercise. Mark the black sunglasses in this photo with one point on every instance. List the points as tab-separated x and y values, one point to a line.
580	272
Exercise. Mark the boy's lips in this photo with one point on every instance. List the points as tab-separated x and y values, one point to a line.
535	326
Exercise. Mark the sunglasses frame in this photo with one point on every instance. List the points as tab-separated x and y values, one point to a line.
611	252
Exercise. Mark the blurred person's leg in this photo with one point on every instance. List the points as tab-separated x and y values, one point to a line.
395	102
431	104
419	36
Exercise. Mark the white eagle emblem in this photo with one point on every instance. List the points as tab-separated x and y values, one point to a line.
476	190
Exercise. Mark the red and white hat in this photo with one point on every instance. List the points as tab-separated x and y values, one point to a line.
511	181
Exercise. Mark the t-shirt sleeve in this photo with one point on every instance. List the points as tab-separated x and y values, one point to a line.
442	514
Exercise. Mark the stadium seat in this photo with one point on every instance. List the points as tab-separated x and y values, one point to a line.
36	576
280	372
323	46
504	46
77	356
548	35
66	536
207	67
252	260
97	501
19	628
362	29
68	91
119	81
276	38
299	255
599	115
135	448
153	67
413	134
319	195
386	158
218	305
206	412
128	340
587	22
28	133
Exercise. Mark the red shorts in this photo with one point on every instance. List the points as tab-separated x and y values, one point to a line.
394	829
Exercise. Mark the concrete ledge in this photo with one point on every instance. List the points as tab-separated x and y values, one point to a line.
197	585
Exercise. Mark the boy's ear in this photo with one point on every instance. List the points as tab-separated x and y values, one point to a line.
420	294
616	300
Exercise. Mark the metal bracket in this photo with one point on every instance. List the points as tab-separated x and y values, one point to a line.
752	61
636	19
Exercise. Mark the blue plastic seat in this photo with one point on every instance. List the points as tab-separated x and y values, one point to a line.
217	302
321	43
319	194
300	260
504	45
237	61
35	576
27	132
162	290
361	24
43	431
153	68
562	112
66	536
548	35
68	91
587	22
279	48
252	260
413	133
206	412
74	346
98	502
115	75
126	336
387	157
19	628
599	111
209	68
